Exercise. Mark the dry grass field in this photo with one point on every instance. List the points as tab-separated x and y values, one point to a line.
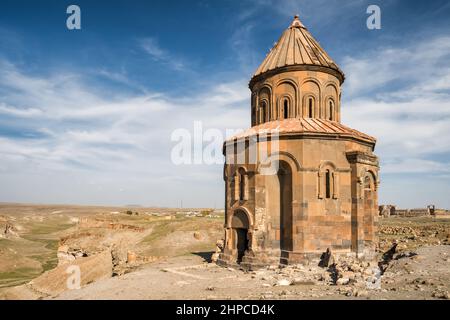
159	253
36	231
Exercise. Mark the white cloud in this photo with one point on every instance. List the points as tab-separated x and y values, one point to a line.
68	129
27	112
151	46
411	165
80	143
417	63
402	97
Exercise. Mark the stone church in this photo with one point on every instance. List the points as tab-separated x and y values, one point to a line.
298	181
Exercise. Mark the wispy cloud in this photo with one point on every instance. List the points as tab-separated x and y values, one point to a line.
413	65
67	126
253	20
307	9
92	132
153	49
399	95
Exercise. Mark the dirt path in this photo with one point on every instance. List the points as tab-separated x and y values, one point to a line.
423	276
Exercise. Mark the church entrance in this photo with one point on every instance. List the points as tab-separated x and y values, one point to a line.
240	225
279	196
242	243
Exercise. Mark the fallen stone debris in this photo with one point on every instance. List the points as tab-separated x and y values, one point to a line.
7	229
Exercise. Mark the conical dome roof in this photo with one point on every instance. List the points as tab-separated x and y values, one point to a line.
297	47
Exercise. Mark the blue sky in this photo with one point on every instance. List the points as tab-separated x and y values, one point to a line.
86	116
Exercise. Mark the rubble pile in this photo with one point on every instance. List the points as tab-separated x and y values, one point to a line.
411	237
7	229
66	254
219	249
343	270
352	277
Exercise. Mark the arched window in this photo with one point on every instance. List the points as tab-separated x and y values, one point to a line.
243	181
327	184
242	185
285	109
253	116
310	107
331	110
263	110
367	183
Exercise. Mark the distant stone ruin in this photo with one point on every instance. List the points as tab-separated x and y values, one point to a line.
388	210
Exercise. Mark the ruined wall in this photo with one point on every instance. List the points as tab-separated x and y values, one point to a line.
391	210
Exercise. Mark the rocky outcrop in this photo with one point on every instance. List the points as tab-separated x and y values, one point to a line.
67	276
108	224
66	254
219	249
7	229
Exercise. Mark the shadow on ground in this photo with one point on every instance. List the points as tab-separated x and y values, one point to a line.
206	255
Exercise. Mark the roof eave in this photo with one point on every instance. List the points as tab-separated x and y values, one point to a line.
371	141
301	67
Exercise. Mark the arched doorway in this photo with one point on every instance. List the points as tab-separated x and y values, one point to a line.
240	226
279	196
285	181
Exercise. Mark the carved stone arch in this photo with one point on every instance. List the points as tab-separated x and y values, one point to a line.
291	106
263	85
296	100
363	173
242	167
267	166
374	178
327	181
315	80
267	86
335	90
292	82
288	80
248	214
242	173
311	86
325	163
263	110
265	95
331	84
287	86
330	89
305	104
326	113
